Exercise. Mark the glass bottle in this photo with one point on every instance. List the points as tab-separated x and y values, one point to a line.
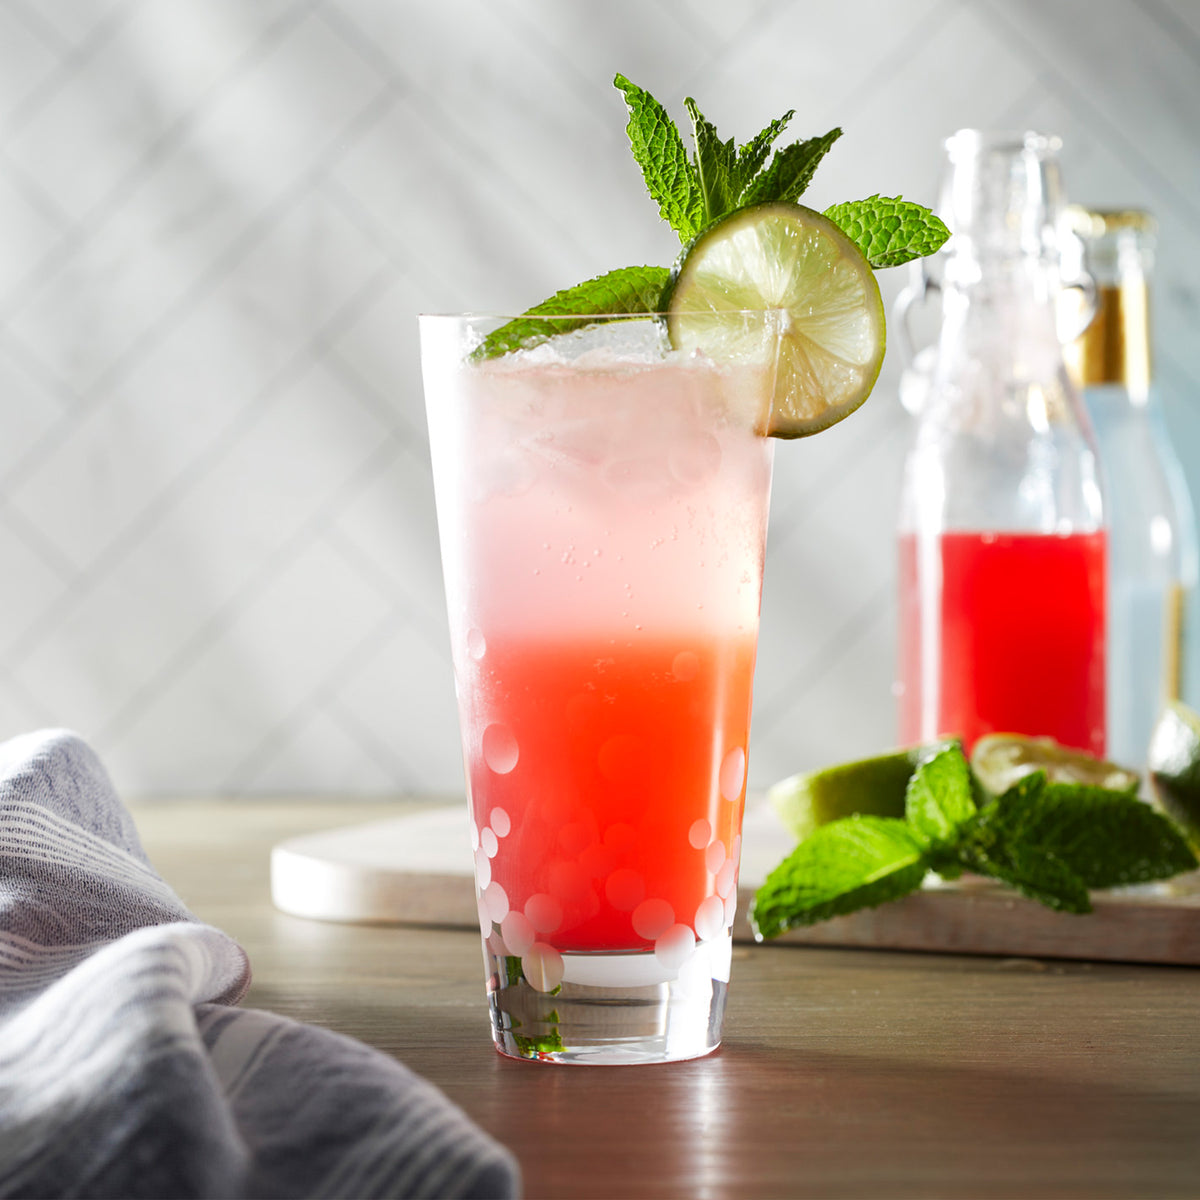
1002	540
1152	529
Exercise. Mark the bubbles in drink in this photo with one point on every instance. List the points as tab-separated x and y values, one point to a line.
695	458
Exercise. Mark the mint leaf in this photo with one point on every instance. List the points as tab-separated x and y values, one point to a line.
546	1043
752	156
669	173
994	844
627	291
790	171
715	162
938	799
1108	838
856	862
1034	871
888	230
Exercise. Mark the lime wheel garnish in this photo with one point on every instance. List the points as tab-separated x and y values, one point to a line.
794	264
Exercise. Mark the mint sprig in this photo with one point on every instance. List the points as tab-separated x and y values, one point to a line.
1051	841
693	191
627	290
671	176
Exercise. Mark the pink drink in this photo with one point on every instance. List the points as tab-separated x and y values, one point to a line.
602	525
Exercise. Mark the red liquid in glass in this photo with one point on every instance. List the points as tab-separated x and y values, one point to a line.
1018	636
621	771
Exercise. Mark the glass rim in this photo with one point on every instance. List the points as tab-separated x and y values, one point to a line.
484	315
968	143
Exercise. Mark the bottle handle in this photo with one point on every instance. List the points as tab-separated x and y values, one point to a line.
917	365
917	292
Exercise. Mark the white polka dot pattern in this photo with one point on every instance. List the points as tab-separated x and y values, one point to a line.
542	967
710	918
675	946
544	912
652	918
496	900
518	933
500	750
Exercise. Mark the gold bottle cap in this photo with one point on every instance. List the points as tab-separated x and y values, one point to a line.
1096	222
1115	347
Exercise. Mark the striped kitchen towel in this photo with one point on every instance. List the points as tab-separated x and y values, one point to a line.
124	1070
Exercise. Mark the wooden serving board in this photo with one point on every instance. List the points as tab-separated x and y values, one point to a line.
417	869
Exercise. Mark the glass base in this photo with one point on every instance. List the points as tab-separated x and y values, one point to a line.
612	1008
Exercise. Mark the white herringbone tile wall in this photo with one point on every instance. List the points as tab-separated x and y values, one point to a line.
218	219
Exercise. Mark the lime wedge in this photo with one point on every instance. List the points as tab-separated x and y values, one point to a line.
787	259
1174	763
1000	759
871	785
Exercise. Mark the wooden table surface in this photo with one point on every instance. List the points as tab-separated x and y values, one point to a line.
842	1073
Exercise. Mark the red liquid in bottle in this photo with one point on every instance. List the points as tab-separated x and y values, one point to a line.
1014	643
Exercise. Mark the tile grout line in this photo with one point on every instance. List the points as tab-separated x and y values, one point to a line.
181	485
438	117
380	753
894	61
39	544
220	270
433	631
39	27
66	70
110	203
259	757
324	695
28	701
33	194
1179	31
833	648
1075	100
817	491
226	613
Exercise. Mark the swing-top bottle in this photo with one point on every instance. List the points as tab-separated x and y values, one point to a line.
1002	539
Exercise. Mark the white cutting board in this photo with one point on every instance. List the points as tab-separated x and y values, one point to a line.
417	869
